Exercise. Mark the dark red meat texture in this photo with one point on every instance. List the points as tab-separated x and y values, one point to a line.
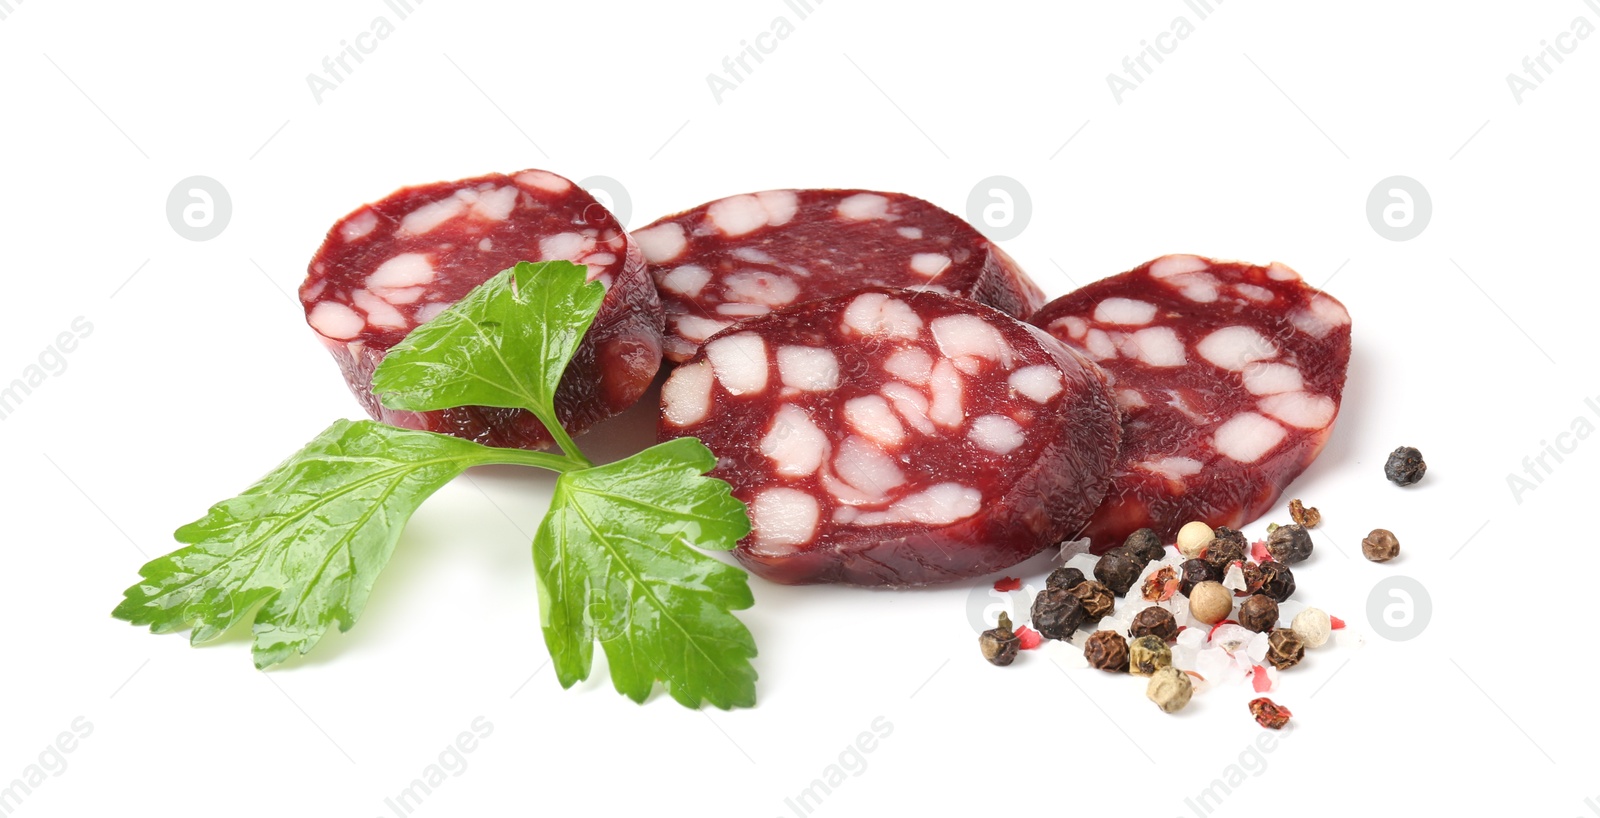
889	437
749	254
1228	376
390	266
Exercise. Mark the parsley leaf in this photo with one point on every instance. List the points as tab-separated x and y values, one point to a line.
616	563
306	542
505	344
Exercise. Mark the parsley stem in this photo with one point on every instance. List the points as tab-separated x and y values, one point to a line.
539	460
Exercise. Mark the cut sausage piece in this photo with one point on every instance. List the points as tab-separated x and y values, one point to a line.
750	254
889	437
1228	376
393	265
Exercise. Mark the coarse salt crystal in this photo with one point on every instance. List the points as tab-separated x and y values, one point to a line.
1257	649
1235	581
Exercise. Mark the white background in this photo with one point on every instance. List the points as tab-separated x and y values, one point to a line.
1259	137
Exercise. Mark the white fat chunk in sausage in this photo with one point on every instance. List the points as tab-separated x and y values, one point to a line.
871	416
1131	399
1099	345
740	362
867	469
960	336
496	205
1156	346
910	364
1264	378
1173	468
686	396
1278	271
863	206
929	264
781	205
662	243
739	309
1322	317
911	404
379	312
696	328
687	280
404	270
358	226
808	369
754	287
1075	326
1176	265
947	405
1260	295
1234	348
1037	383
913	233
878	313
794	443
781	517
543	180
431	311
335	320
737	215
997	433
1300	409
565	246
424	219
941	504
1247	437
1124	311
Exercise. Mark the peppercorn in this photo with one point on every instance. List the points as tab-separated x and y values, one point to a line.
1225	533
1108	651
1155	621
1096	598
1285	649
1380	545
1289	544
1210	602
1118	571
1194	572
999	644
1056	613
1222	553
1259	613
1313	626
1405	466
1269	714
1308	517
1146	544
1147	654
1155	585
1193	537
1277	581
1063	578
1170	689
1252	578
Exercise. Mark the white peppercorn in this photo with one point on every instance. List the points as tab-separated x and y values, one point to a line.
1170	689
1210	603
1313	626
1193	539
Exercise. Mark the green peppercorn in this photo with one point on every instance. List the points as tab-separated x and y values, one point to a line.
1147	654
999	644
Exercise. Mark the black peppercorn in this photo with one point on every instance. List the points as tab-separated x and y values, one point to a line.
1195	571
1285	648
1222	553
1154	621
1056	613
1277	581
1259	613
1289	544
1063	578
1118	571
1405	466
1108	651
1096	598
1225	533
999	644
1145	544
1252	579
1380	545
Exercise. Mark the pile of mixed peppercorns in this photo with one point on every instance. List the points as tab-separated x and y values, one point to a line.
1206	613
